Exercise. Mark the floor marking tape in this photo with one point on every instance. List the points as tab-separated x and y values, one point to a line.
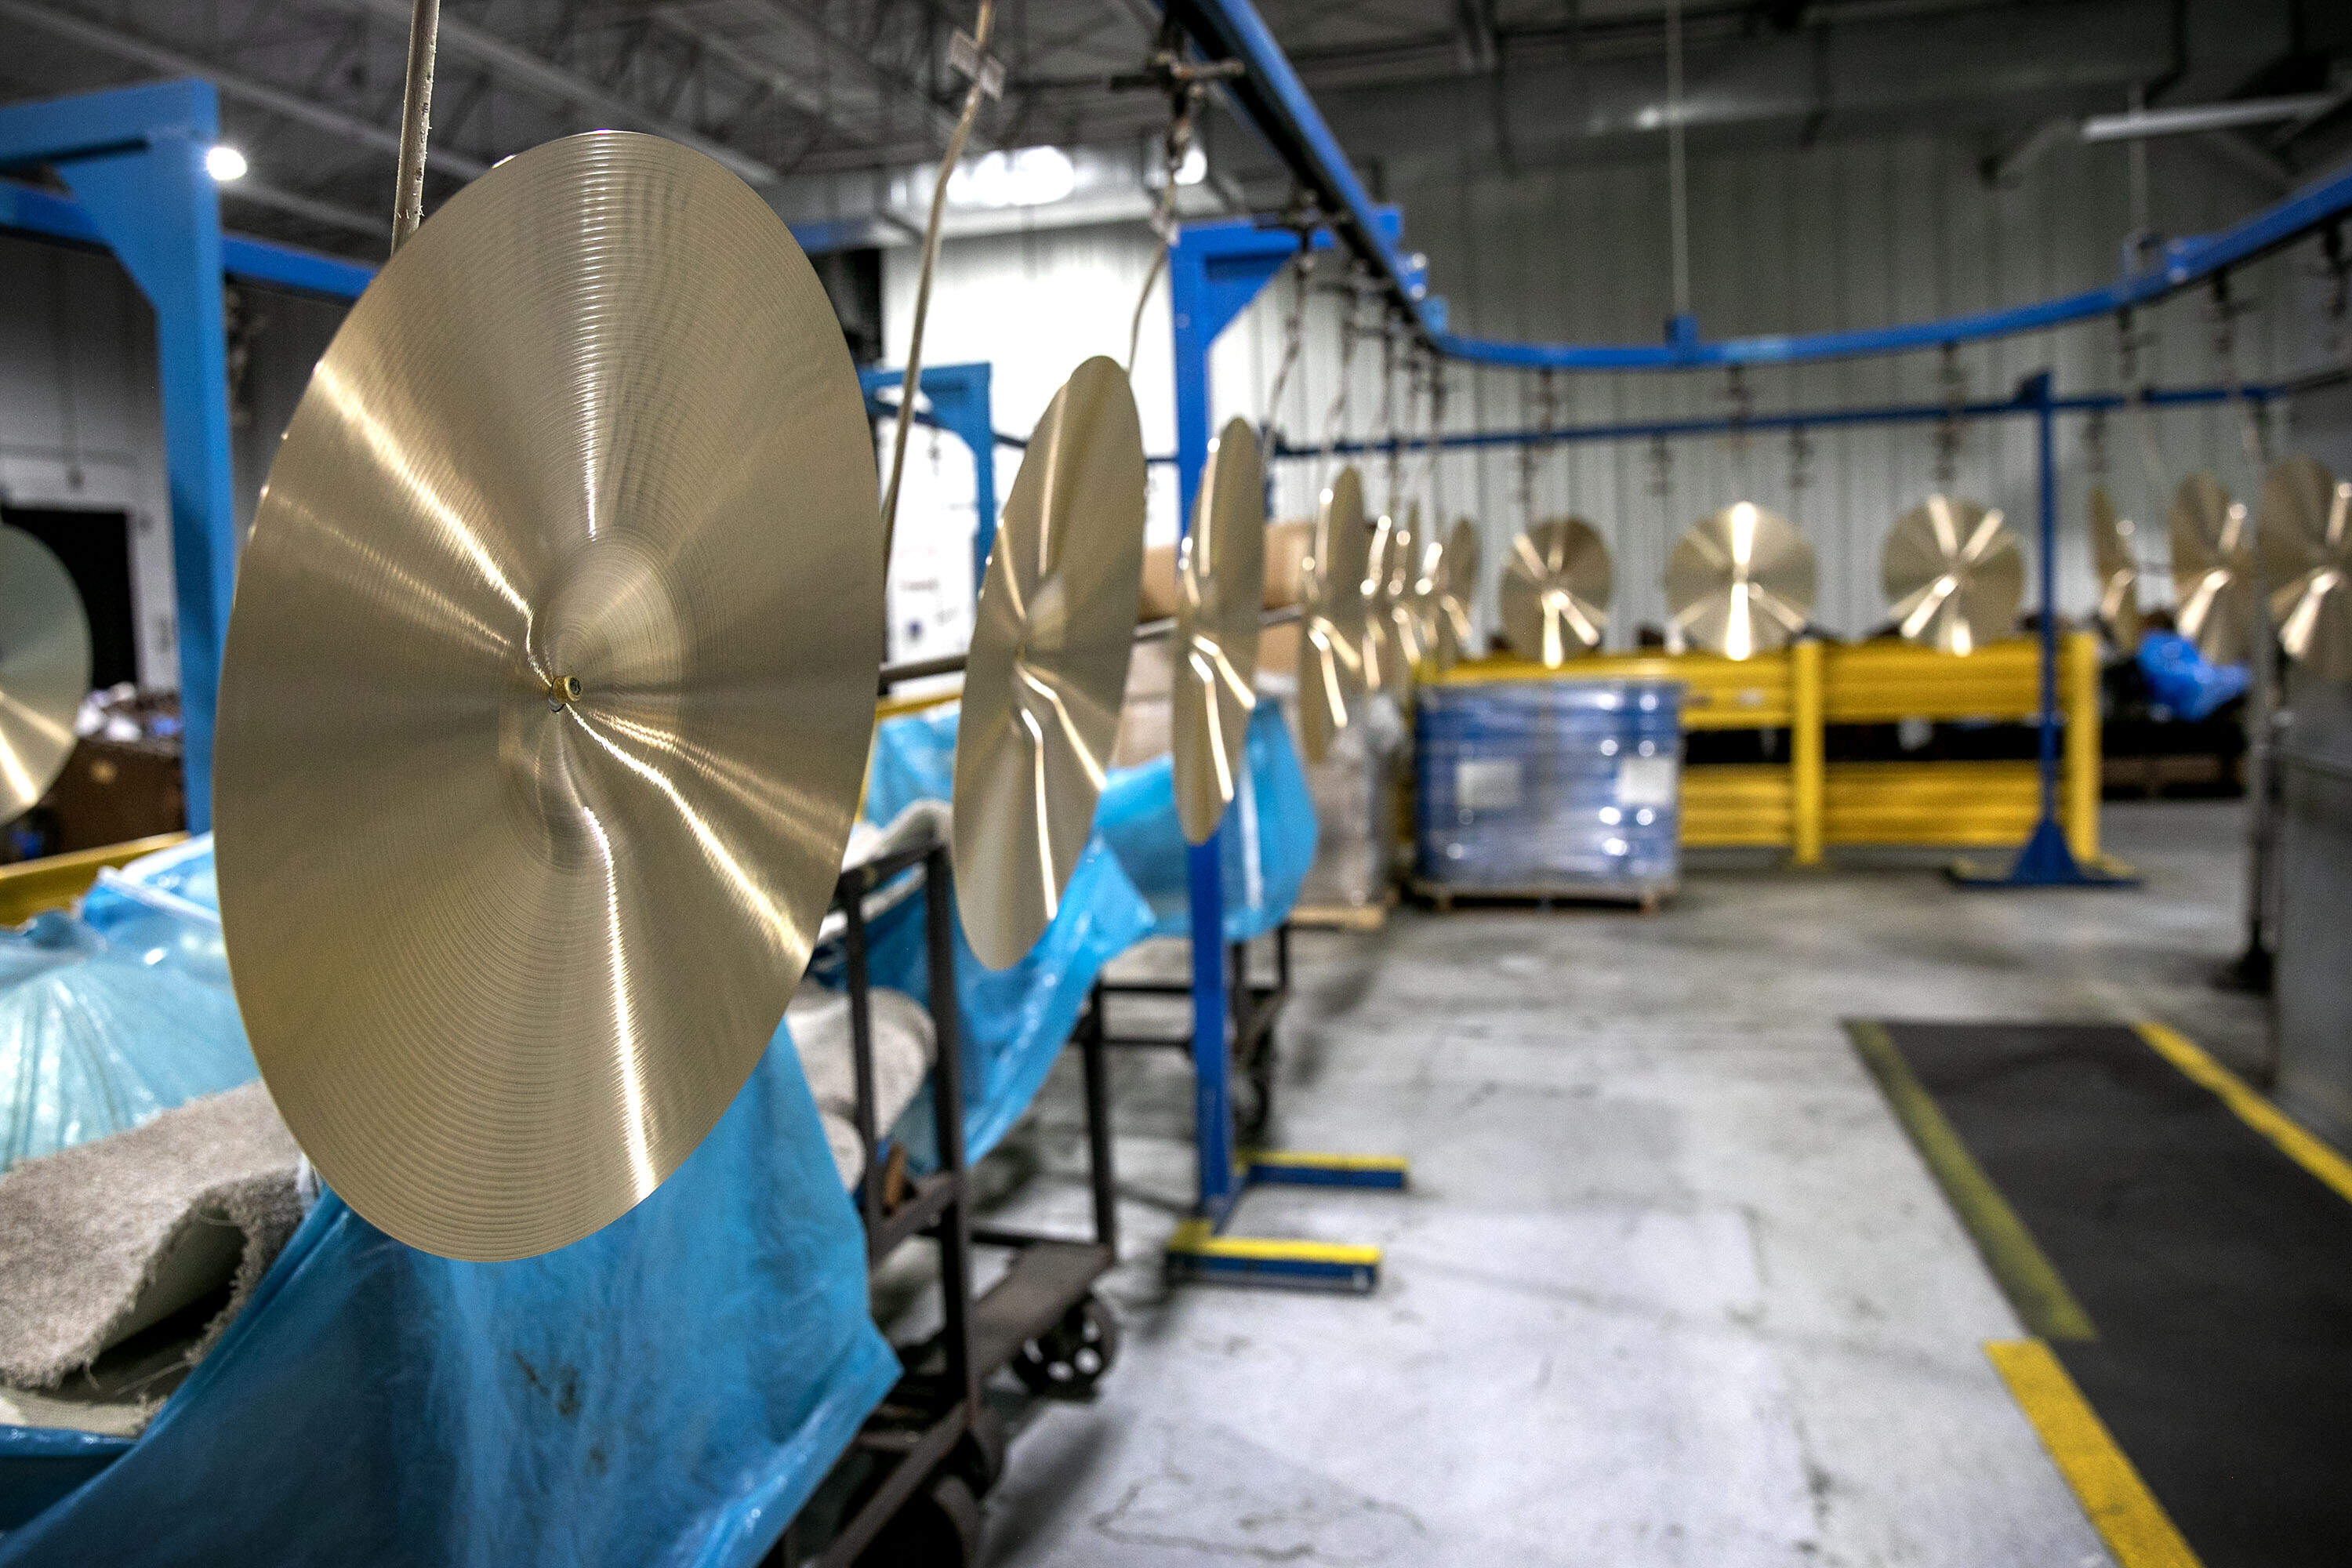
2117	1502
2027	1276
2251	1107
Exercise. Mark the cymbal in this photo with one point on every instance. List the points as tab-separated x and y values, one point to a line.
546	695
1393	639
1048	670
2116	561
2212	561
44	670
1331	662
1220	578
1555	591
1453	631
2307	536
1954	574
1740	581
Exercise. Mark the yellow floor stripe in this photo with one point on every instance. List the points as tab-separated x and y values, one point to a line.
2029	1279
1195	1237
1307	1159
2118	1503
2251	1109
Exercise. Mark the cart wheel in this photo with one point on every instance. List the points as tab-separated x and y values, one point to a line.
979	1453
1068	1360
939	1527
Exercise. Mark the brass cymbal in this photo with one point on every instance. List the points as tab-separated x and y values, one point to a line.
1953	574
546	695
2212	562
44	670
2116	562
1555	591
1740	581
2307	536
1392	637
1048	670
1453	631
1220	577
1331	662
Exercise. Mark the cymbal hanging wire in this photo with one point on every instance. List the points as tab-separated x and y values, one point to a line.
983	80
415	121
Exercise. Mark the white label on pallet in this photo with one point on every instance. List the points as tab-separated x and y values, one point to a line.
1647	781
1487	783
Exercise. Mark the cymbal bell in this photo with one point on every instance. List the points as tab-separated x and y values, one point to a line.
1453	632
2116	561
546	695
2306	534
44	670
1555	591
2212	564
1331	661
1220	578
1047	670
1739	581
1954	574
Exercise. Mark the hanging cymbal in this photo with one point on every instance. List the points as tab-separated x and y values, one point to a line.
2306	535
1555	591
2116	561
1384	663
44	670
547	694
1220	578
2212	562
1740	581
1048	670
1453	631
1954	574
1331	662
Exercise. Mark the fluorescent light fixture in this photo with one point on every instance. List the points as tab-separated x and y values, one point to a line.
1193	169
224	163
1023	177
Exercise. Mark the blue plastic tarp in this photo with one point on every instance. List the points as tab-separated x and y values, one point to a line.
2180	678
667	1391
1130	883
1265	846
113	1016
1012	1023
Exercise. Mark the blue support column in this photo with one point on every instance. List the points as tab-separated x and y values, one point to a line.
1214	270
2047	860
959	404
135	158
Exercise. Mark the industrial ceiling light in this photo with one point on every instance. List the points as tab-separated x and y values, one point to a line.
224	163
1022	177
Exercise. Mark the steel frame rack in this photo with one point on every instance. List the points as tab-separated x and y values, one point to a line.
934	1423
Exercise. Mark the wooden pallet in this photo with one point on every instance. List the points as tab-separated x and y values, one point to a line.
1344	916
1445	897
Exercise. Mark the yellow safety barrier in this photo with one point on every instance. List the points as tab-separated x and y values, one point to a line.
1809	802
28	887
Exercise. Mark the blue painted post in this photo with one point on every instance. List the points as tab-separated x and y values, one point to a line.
1190	312
961	404
135	158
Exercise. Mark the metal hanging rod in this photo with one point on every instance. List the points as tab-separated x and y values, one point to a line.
1150	631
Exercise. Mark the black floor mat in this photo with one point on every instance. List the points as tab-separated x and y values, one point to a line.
2215	1271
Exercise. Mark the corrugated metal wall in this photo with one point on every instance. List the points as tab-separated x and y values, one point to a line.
1846	234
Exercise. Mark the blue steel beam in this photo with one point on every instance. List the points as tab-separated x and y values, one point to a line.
135	158
1272	99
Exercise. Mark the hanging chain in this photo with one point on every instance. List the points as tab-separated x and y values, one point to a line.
1532	452
2129	342
2253	435
1436	470
1800	457
1335	421
1185	82
2339	291
1294	337
1742	399
1390	423
1954	383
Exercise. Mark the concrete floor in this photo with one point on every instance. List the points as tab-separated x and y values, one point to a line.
1670	1286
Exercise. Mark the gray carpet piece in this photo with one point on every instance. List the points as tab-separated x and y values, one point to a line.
103	1240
